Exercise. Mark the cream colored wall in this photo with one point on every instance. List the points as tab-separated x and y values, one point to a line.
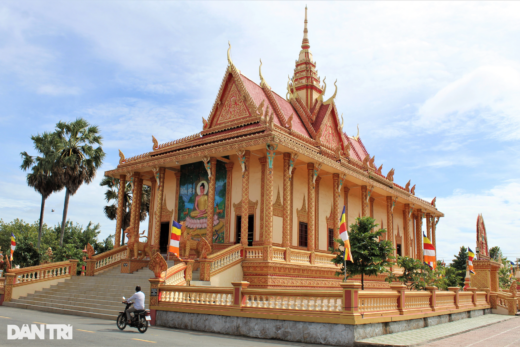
354	204
278	185
325	202
380	211
277	229
299	192
398	222
224	279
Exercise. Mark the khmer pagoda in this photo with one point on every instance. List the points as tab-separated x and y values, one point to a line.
261	187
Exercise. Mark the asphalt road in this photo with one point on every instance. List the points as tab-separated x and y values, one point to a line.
100	333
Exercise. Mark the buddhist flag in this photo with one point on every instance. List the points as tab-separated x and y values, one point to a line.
471	255
13	245
429	253
343	233
175	238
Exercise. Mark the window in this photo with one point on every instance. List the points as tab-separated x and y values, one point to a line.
398	249
331	238
302	235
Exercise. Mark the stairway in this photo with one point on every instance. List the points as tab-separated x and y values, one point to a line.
97	296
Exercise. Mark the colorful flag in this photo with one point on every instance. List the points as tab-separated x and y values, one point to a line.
471	255
175	238
13	245
343	233
429	253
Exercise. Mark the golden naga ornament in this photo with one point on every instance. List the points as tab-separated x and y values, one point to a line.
121	158
155	143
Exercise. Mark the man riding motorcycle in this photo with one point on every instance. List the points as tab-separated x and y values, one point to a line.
138	303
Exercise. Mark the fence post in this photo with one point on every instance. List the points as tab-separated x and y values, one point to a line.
456	291
433	298
73	267
10	280
205	268
350	297
91	265
474	296
239	300
401	301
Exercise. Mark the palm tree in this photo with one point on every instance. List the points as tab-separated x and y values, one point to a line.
112	195
76	157
44	176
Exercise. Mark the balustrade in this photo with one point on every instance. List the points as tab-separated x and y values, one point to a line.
225	257
378	301
210	296
300	257
445	299
254	253
418	300
279	255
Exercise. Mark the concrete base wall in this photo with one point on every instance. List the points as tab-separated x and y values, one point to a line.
304	332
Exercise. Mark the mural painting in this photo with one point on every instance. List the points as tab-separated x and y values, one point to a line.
193	200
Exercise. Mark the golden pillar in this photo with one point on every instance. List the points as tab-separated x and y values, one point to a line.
158	209
371	201
263	161
317	207
335	208
211	200
229	185
428	226
406	230
268	205
418	235
135	212
434	227
292	208
311	213
151	208
390	222
177	195
364	201
286	236
120	209
244	158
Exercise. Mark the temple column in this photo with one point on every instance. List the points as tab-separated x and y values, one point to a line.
177	194
428	226
263	162
158	209
364	201
406	230
418	236
151	209
229	185
286	236
335	208
210	211
120	209
371	202
390	223
268	206
292	208
311	212
135	214
244	158
317	206
434	227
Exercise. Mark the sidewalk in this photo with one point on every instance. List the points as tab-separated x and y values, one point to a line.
421	336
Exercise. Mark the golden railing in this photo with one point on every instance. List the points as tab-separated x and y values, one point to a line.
106	260
289	255
505	301
220	261
347	305
175	275
15	278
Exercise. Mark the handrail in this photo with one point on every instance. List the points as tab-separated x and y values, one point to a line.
175	275
225	251
38	267
106	260
110	252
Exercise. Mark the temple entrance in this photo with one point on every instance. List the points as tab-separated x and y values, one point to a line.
250	229
163	239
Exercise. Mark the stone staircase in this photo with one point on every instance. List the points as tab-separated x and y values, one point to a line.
91	296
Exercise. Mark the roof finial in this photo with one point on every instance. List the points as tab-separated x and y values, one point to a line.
229	55
305	41
263	83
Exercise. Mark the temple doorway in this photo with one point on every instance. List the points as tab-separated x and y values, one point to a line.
250	229
398	249
163	239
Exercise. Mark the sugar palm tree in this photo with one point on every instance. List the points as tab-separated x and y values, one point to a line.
43	176
76	157
112	195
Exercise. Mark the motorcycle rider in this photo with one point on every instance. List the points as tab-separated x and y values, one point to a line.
138	303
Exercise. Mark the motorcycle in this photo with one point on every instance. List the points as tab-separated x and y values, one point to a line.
139	320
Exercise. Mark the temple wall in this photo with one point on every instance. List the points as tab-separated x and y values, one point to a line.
236	195
278	187
380	212
324	207
299	193
354	205
398	225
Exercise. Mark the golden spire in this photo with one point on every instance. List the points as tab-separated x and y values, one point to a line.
263	83
229	55
305	41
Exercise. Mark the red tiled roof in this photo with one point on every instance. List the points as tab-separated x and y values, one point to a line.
321	116
258	95
249	126
287	110
359	149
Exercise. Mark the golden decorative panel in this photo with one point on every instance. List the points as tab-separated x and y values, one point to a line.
234	107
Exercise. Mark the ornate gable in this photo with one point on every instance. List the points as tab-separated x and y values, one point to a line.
233	108
329	132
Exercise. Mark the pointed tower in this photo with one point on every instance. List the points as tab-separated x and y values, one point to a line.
305	75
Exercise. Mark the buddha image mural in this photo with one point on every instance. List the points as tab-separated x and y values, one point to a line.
193	200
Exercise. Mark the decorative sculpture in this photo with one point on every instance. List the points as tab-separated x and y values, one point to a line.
140	249
357	136
394	200
155	143
90	251
157	175
365	162
294	157
204	123
347	150
331	99
121	158
380	169
242	159
271	154
413	190
390	175
203	248
229	55
411	210
369	192
320	97
207	165
317	169
433	201
371	162
341	180
289	121
513	289
263	83
407	186
158	265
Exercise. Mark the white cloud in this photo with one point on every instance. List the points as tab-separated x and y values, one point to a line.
499	206
487	100
55	90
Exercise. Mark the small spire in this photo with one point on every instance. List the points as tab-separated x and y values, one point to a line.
305	41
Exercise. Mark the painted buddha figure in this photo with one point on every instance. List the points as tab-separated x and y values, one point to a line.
201	203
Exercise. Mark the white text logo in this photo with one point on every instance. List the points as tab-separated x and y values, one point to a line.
54	331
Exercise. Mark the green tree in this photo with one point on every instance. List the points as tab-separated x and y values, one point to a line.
503	277
459	264
370	256
76	157
43	176
495	253
111	195
416	274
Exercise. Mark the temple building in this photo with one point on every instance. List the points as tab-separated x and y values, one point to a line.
267	177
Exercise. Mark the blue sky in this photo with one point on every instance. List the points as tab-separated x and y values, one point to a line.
434	87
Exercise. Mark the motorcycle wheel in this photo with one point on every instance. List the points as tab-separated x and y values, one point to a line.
121	321
142	326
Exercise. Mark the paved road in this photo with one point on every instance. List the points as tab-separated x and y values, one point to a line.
99	332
